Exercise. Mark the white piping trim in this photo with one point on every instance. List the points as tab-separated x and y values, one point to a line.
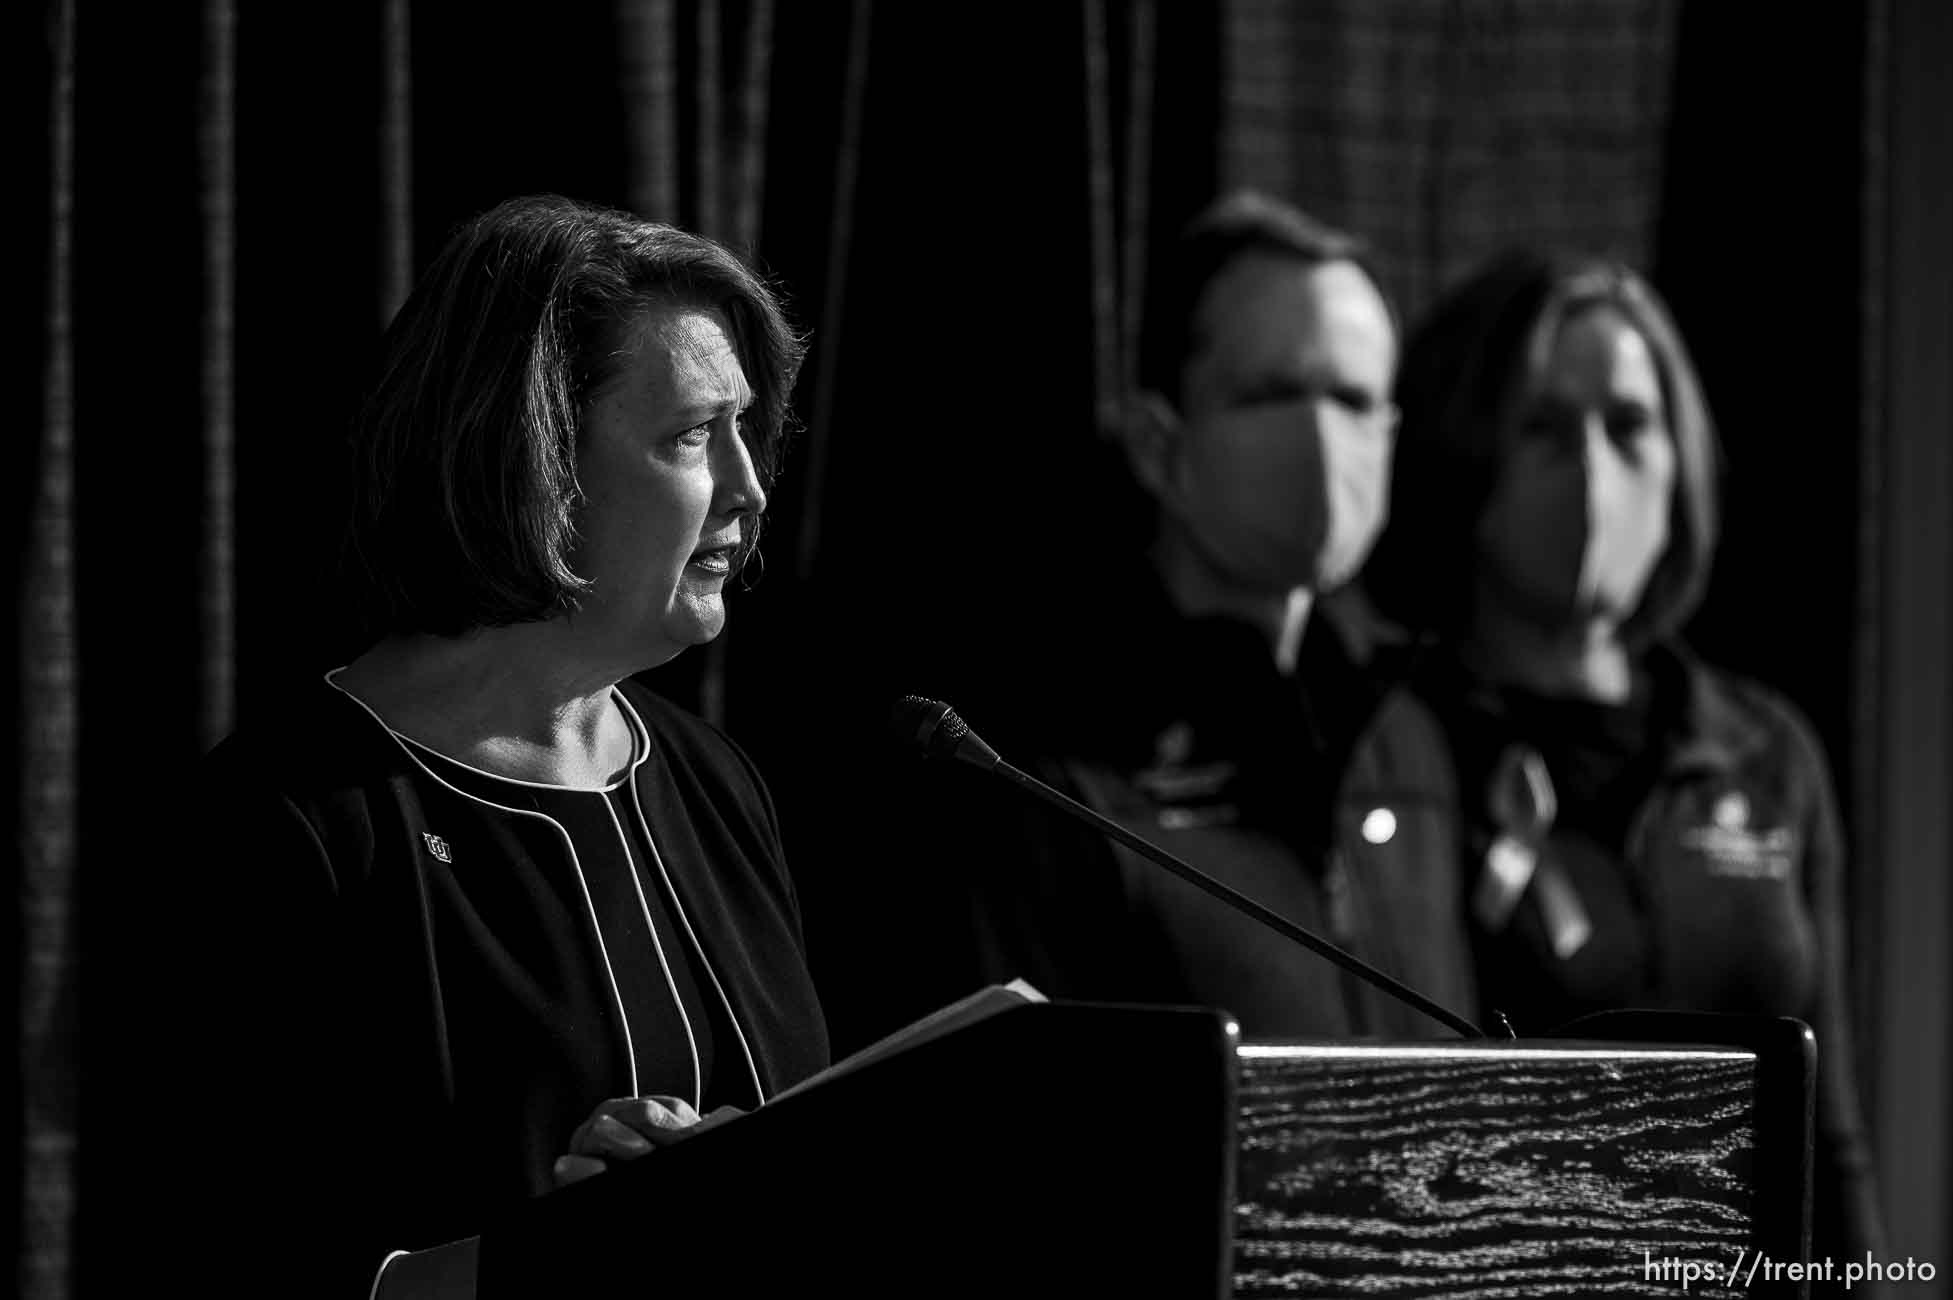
603	950
657	946
678	908
373	1293
624	776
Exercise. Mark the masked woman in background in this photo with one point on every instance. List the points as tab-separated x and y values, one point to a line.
1647	831
487	915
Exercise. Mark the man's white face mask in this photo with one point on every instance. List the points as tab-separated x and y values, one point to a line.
1284	495
1278	473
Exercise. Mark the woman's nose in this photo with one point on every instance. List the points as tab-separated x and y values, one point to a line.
1608	469
1593	436
738	480
1597	448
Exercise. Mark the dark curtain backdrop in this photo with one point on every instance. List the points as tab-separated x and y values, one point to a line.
962	203
1447	132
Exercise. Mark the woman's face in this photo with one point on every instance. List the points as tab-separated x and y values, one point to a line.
668	483
1578	517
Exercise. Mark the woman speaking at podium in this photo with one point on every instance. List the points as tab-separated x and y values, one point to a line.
491	914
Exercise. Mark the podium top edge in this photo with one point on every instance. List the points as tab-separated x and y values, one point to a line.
1520	1050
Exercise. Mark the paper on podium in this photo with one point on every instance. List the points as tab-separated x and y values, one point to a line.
980	1005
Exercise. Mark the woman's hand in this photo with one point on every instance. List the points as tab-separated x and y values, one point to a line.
624	1128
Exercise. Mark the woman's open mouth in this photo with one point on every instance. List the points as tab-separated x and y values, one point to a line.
713	559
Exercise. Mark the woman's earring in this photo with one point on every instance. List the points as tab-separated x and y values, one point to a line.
755	558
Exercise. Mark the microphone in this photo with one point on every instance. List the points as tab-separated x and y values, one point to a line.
934	727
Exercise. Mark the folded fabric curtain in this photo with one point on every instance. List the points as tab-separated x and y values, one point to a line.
1443	132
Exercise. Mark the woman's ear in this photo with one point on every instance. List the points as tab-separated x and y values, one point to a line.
1153	436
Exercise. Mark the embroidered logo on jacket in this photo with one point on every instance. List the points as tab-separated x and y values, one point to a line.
1187	795
437	846
1731	848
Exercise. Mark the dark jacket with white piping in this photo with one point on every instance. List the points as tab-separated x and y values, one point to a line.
397	981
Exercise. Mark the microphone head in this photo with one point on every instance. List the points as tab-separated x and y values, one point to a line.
935	728
917	720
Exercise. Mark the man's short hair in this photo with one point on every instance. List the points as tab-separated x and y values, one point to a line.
464	455
1239	223
1466	368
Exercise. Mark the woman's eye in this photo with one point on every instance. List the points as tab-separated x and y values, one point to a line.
1356	401
1624	426
696	436
1543	426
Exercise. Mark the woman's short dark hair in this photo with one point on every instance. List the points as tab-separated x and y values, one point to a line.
1467	367
1234	225
464	476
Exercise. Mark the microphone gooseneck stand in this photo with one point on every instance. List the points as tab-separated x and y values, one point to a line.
940	733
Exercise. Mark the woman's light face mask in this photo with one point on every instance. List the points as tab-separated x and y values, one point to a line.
1579	515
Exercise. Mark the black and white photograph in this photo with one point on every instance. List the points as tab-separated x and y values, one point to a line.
1063	648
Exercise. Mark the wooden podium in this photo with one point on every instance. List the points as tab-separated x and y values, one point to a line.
1071	1150
1603	1164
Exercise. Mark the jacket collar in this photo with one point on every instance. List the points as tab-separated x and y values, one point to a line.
1716	734
1218	676
1705	728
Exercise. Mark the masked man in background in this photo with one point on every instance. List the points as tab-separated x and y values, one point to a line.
1211	692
